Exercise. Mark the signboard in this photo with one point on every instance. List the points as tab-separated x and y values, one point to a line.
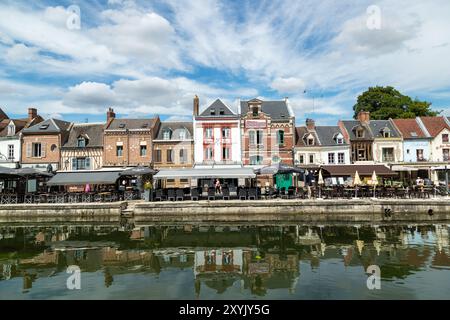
255	124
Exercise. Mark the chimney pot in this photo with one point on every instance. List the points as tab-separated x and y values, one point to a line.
196	106
32	113
110	114
310	124
364	116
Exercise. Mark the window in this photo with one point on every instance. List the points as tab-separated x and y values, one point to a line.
301	159
419	154
280	137
37	150
407	151
158	156
221	112
183	155
361	155
169	156
183	134
81	163
341	157
256	160
167	134
256	137
340	140
11	130
208	153
143	151
225	133
276	159
386	133
225	153
255	111
184	180
360	133
119	151
213	112
10	151
310	140
446	154
445	138
331	158
311	158
208	133
81	143
388	154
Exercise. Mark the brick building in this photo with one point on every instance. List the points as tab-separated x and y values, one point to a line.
128	142
41	144
173	148
267	132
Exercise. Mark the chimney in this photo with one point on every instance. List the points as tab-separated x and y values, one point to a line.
32	113
364	116
110	114
196	105
310	124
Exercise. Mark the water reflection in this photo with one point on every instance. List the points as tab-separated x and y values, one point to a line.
227	261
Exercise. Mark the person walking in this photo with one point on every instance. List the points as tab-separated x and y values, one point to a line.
218	186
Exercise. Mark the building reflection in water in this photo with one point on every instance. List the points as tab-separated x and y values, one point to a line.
253	259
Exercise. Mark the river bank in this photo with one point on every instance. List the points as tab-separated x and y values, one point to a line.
233	211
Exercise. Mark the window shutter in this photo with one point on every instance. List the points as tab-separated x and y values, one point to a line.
29	145
88	163
74	163
43	145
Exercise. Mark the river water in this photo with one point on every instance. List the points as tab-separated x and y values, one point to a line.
225	262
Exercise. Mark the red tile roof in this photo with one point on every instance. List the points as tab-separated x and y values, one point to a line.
434	125
408	127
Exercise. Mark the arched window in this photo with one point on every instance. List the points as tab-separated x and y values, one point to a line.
386	132
256	160
280	137
309	140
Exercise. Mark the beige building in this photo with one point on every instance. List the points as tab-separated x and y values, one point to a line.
84	148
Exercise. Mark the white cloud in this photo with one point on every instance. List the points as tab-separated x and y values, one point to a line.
21	53
288	85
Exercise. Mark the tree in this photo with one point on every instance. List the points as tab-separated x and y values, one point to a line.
387	102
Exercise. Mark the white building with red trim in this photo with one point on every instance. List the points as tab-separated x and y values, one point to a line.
217	140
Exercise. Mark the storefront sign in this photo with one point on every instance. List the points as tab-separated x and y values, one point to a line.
255	124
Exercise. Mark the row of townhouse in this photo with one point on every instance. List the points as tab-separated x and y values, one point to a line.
254	133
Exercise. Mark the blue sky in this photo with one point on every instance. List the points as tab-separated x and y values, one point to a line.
152	57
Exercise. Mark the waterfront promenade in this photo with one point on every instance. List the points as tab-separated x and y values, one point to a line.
369	210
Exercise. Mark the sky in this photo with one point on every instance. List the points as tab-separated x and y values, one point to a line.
74	59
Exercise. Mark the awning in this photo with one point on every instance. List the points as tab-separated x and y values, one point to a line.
83	178
403	168
137	171
363	170
232	173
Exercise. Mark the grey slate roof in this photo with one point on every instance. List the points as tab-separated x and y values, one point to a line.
327	135
278	110
301	133
93	133
48	126
124	124
176	127
217	106
350	124
376	126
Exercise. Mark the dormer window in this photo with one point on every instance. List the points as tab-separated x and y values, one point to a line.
167	134
213	112
310	140
339	138
222	112
11	129
386	132
255	111
360	133
81	142
182	134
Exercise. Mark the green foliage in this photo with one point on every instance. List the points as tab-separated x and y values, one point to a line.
387	102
